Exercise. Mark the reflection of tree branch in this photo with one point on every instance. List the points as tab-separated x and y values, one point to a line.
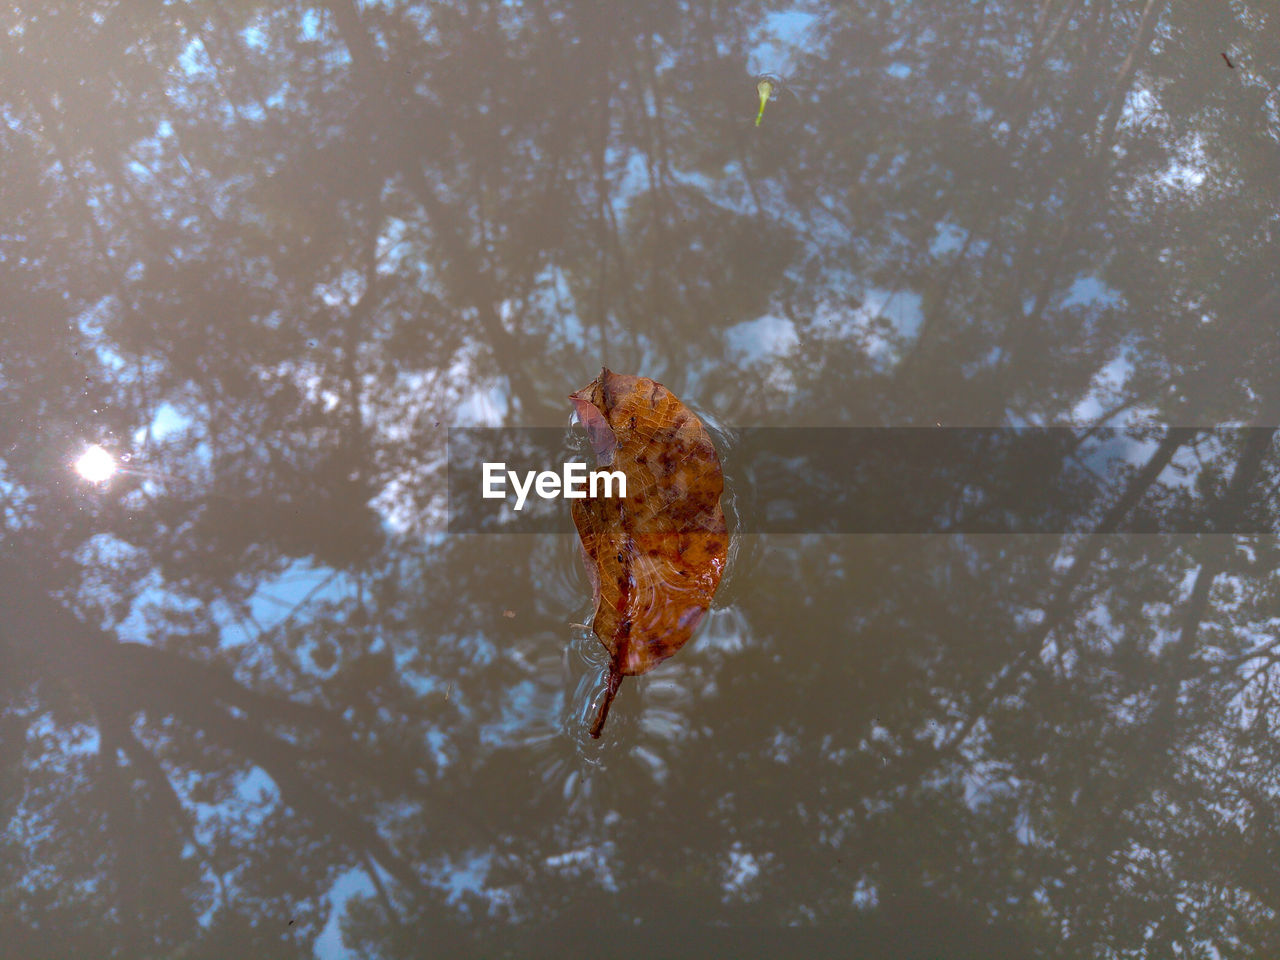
353	452
1060	607
1120	89
166	797
118	803
115	736
505	344
52	129
364	56
370	72
1092	177
1266	649
280	760
1160	731
388	907
242	79
162	682
145	665
1041	43
1229	510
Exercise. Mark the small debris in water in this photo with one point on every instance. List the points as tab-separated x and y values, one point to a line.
765	85
509	614
1229	63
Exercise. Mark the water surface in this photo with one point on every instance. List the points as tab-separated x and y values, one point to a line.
255	700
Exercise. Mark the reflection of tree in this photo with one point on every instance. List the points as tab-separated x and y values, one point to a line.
308	236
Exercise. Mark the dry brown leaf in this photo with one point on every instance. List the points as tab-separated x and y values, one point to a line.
654	558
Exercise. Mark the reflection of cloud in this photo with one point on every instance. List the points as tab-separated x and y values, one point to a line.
889	315
865	896
592	860
779	38
949	238
884	323
416	415
329	945
762	338
167	420
764	341
1107	390
743	867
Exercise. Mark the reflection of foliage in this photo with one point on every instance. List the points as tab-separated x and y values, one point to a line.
303	238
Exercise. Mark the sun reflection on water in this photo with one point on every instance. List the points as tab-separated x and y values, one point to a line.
96	465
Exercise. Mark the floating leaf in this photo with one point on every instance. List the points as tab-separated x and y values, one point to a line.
654	557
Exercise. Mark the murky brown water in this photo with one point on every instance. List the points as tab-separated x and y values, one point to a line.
255	701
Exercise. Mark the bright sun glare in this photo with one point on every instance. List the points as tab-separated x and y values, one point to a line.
96	465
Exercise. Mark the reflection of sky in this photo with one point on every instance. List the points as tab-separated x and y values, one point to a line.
782	33
352	883
762	338
885	317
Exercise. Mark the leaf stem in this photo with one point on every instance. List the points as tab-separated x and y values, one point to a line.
615	681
